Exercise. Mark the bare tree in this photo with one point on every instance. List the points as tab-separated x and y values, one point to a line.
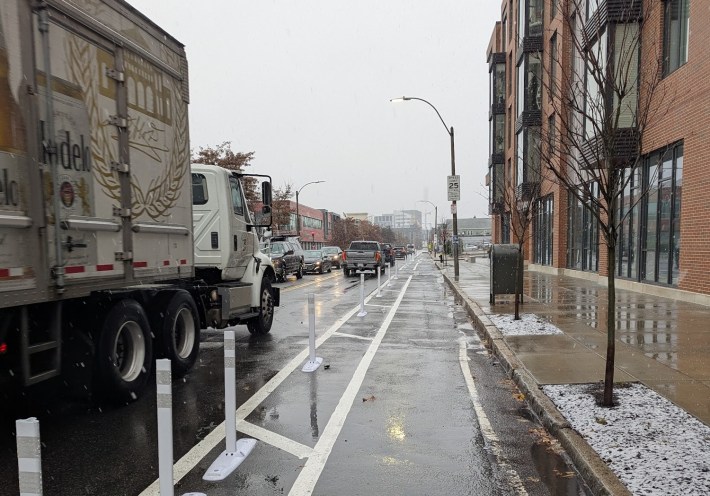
604	102
521	202
281	206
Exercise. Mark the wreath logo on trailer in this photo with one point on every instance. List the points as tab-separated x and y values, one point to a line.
157	128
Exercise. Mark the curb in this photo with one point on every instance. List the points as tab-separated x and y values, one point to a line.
600	479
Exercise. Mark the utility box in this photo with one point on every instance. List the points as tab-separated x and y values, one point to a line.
504	268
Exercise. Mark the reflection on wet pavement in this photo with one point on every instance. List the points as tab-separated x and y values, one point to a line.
660	341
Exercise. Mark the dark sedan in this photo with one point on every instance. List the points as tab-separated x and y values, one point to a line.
316	261
335	253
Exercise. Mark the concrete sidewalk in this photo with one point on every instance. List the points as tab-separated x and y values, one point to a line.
662	343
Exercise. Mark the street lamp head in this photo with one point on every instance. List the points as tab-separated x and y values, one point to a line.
400	99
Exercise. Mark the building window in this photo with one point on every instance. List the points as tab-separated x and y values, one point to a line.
530	14
528	155
499	86
628	222
551	136
594	104
676	21
660	216
529	83
505	228
499	133
582	235
553	9
510	73
553	65
542	230
505	32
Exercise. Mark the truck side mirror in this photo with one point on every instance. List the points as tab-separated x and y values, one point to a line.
266	196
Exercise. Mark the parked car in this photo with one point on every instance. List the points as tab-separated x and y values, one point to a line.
335	254
388	251
317	261
295	244
285	260
400	252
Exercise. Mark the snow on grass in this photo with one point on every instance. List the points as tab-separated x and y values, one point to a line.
528	324
653	446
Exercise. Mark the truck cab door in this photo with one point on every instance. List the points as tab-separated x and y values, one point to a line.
241	241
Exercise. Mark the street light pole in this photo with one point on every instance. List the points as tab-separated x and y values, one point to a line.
450	132
298	218
436	227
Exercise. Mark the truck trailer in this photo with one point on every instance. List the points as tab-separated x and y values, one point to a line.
110	239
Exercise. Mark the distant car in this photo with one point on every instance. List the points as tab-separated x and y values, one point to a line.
388	251
335	254
410	249
400	252
285	260
317	261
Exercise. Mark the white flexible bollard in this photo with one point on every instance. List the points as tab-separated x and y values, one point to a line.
313	361
362	295
379	285
164	399
396	270
236	450
29	456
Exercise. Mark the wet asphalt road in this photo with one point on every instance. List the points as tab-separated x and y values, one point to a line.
408	401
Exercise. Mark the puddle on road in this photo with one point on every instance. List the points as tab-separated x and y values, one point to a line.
558	477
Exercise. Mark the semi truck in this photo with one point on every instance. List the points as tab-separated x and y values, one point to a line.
110	239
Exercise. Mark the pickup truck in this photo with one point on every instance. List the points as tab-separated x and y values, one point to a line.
366	256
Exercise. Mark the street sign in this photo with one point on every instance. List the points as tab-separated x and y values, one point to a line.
453	208
453	186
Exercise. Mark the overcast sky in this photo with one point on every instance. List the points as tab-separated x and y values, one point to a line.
306	85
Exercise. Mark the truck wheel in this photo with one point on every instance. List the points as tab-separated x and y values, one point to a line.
299	274
124	354
262	323
346	272
176	326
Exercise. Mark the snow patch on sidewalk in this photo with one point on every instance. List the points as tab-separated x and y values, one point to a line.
529	324
653	446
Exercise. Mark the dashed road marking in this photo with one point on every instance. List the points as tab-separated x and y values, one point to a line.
307	479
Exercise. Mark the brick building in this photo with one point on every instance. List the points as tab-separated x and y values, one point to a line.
539	59
316	225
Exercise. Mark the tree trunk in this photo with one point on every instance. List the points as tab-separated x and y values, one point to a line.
610	329
518	287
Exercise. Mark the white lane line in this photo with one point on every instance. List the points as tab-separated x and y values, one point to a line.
489	435
346	335
307	479
185	464
277	440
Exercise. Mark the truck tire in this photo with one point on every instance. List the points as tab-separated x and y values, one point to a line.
124	352
346	272
176	327
262	323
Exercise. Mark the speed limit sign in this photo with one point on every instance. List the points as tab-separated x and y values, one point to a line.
453	186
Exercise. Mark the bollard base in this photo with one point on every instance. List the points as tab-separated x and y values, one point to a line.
227	462
194	494
362	314
312	366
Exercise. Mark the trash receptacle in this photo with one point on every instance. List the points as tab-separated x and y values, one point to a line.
504	267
